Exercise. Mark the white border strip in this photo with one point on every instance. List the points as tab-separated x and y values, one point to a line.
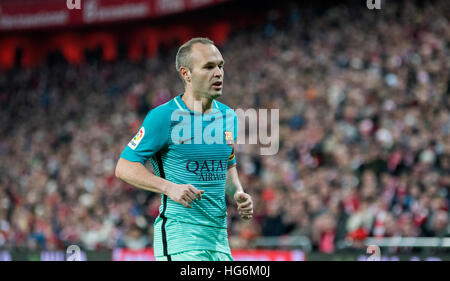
178	104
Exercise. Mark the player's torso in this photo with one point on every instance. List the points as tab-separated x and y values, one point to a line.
197	153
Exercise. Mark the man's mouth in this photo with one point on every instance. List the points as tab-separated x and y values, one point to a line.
217	85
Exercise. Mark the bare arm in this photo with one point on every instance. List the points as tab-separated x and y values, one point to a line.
137	175
233	184
234	188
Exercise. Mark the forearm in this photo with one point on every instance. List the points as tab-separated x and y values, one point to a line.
137	175
233	184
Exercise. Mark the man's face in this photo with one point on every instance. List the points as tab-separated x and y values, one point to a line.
207	70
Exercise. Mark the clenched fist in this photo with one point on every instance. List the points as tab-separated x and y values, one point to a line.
245	205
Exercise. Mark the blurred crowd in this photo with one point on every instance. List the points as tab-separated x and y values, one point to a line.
364	100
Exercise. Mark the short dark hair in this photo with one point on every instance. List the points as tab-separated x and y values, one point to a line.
183	57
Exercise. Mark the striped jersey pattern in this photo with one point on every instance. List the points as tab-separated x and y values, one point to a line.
187	147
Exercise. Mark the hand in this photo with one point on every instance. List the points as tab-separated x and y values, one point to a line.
184	194
245	205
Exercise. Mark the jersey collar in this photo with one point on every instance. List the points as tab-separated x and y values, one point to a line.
181	105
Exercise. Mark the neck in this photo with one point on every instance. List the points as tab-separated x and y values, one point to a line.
196	103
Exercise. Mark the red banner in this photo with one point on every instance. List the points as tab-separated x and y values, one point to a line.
268	255
123	254
22	14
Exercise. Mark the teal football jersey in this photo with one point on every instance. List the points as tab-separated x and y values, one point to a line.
187	147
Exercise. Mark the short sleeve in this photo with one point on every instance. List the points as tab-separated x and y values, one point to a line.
151	137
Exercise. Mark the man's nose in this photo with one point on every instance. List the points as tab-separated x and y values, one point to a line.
218	72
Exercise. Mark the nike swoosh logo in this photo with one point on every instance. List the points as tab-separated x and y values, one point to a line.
183	141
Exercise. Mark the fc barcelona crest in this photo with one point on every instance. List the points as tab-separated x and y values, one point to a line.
229	137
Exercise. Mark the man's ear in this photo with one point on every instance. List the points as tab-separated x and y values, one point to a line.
185	73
